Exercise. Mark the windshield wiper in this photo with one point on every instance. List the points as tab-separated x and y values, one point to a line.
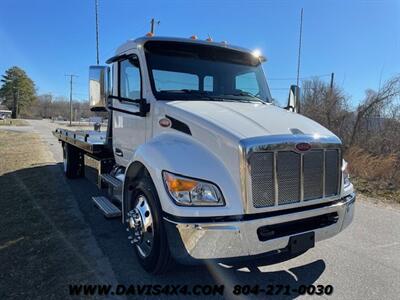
200	94
244	94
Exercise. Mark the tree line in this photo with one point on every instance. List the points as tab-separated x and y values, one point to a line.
18	94
370	132
373	124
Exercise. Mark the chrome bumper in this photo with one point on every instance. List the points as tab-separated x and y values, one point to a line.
218	240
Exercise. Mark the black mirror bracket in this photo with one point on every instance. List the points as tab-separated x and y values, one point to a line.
293	104
144	107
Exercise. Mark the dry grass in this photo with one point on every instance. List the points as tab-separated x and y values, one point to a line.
42	245
375	175
13	122
21	150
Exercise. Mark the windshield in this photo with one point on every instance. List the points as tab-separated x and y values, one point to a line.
185	71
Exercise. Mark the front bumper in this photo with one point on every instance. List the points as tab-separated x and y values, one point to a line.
190	241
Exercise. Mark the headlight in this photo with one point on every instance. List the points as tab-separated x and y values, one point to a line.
346	175
192	192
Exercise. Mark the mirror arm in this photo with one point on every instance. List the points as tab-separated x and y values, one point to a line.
144	107
138	101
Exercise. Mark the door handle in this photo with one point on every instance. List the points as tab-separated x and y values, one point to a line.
119	152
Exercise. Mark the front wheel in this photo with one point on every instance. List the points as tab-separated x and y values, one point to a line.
145	227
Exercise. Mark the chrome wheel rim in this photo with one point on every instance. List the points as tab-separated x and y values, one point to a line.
140	226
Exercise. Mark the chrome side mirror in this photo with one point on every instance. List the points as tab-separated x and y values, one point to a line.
294	99
99	87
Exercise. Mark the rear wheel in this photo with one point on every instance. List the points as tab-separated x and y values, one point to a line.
145	227
72	161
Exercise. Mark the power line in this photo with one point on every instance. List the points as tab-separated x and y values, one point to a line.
305	77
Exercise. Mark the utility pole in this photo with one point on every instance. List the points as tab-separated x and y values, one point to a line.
14	112
332	78
71	76
152	25
97	31
17	105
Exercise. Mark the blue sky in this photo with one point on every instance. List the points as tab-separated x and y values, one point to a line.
358	40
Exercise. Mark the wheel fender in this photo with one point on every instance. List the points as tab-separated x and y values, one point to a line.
185	156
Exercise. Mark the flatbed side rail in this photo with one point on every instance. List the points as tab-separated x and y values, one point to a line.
90	142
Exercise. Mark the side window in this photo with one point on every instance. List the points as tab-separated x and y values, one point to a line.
208	83
130	81
247	82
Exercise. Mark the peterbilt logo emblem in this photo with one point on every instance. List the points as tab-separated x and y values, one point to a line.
303	147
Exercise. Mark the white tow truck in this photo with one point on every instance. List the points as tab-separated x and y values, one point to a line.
198	162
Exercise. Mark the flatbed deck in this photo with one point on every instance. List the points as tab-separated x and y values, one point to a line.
93	142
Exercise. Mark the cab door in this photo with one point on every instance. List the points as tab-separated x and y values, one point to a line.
129	130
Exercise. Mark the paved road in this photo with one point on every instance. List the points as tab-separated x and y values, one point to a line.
361	263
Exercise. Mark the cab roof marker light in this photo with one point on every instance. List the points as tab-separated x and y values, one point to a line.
256	52
193	37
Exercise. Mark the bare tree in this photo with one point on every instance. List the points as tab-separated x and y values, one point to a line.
48	106
328	106
374	104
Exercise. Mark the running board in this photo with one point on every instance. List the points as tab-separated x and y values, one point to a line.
111	180
105	205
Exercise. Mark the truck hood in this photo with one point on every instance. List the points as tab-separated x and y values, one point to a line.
246	120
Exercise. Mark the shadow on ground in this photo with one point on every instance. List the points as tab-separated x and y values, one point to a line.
51	236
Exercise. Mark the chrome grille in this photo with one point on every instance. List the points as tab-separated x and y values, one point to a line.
285	177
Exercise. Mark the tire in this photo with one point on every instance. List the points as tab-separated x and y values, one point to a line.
72	161
158	259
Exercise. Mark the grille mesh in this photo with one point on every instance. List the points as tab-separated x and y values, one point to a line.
288	169
331	173
288	176
262	180
313	175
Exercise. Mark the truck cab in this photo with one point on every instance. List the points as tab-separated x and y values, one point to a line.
199	162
